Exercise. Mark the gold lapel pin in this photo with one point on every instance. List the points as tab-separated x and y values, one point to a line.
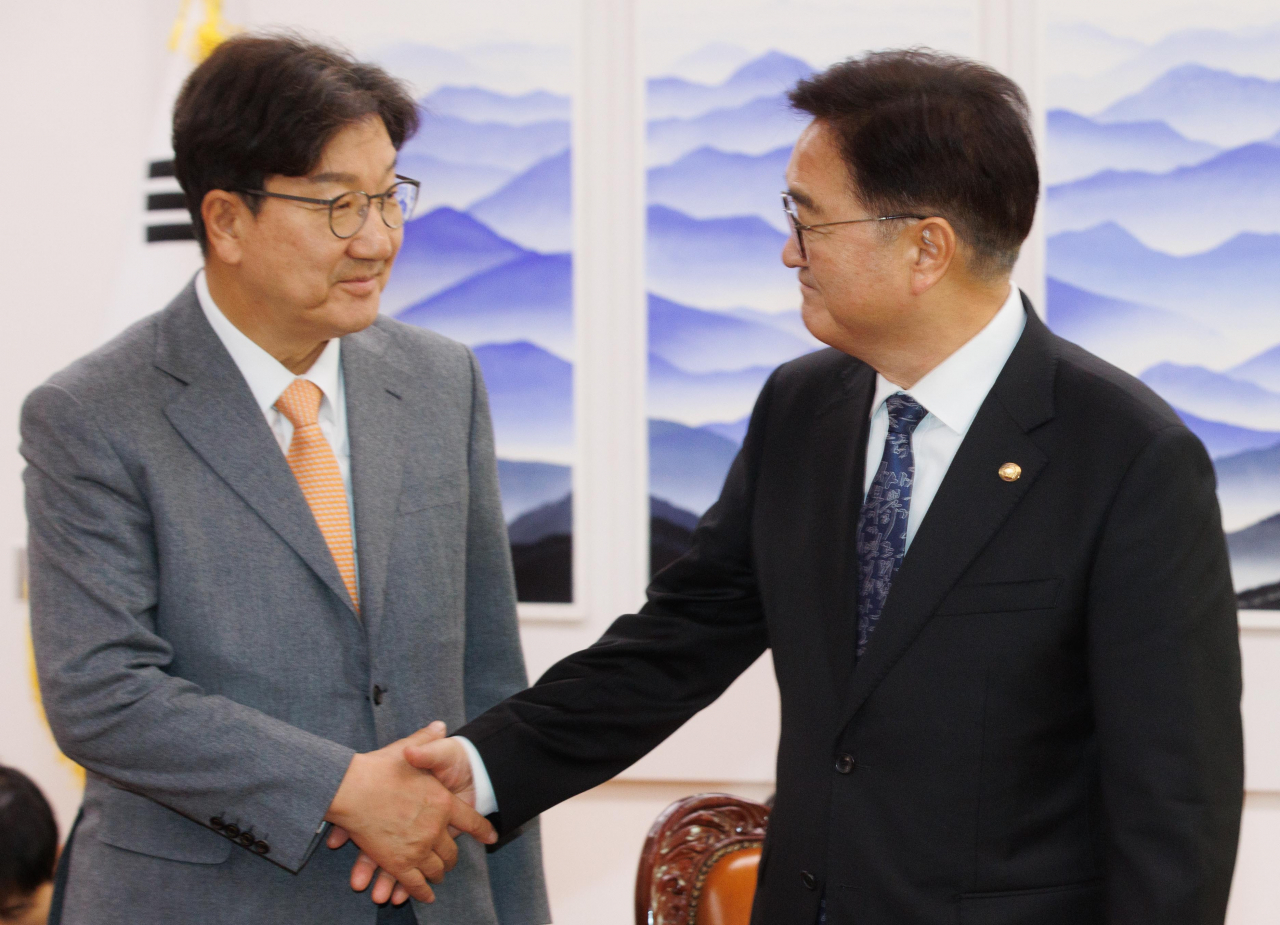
1011	472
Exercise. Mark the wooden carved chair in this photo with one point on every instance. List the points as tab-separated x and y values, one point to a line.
698	865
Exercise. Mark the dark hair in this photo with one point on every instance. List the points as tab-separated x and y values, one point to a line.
927	132
28	835
262	105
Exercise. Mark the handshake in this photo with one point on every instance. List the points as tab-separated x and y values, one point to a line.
403	805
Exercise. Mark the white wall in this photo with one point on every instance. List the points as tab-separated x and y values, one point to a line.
72	182
75	107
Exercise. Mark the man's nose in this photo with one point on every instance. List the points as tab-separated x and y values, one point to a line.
791	255
374	240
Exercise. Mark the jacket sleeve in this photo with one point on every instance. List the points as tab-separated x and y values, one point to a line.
600	710
493	666
103	663
1164	663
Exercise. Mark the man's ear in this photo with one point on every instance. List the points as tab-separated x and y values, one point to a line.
226	219
933	247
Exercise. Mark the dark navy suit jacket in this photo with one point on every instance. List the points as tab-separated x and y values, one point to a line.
1045	727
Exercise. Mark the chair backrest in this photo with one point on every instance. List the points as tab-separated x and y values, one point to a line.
698	865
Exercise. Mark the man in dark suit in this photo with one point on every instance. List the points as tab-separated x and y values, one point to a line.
990	568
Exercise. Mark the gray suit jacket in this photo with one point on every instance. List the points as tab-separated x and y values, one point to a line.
198	653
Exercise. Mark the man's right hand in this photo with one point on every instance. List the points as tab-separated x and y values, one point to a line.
401	817
448	761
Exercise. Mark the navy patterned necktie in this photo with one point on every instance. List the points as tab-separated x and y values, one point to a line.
882	525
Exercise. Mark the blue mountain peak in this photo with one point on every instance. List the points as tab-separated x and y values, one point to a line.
523	369
1248	246
1200	75
664	219
481	105
550	167
687	465
1262	370
1206	384
1269	357
1110	236
457	230
448	96
1215	105
709	157
1253	163
1062	120
534	208
440	250
533	269
1109	233
529	284
520	352
772	66
1247	157
1065	117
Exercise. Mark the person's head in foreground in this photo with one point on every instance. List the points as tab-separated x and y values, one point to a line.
28	850
293	194
909	194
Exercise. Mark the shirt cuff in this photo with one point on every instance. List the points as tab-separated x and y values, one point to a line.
486	799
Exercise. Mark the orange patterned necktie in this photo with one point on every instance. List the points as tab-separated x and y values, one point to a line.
316	469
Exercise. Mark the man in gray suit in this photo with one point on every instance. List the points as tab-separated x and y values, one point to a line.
266	541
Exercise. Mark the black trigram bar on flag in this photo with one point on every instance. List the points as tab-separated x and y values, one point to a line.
167	216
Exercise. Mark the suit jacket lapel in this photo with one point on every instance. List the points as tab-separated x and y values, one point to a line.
375	390
970	506
217	415
839	464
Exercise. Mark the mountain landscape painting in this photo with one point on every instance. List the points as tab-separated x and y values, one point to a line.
1163	222
487	260
723	310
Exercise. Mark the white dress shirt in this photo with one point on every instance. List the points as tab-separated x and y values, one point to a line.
267	378
952	392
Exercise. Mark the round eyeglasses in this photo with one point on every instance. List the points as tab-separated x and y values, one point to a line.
348	211
799	227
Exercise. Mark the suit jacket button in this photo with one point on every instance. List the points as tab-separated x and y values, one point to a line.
245	839
231	831
809	880
218	823
261	847
845	763
377	695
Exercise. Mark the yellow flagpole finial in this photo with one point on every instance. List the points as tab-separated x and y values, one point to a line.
212	32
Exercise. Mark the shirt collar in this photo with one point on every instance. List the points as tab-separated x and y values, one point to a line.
268	377
955	389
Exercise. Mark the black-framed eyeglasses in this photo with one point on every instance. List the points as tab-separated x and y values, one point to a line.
348	211
799	227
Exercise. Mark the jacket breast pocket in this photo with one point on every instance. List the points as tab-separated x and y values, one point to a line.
135	823
422	491
1072	904
1001	597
